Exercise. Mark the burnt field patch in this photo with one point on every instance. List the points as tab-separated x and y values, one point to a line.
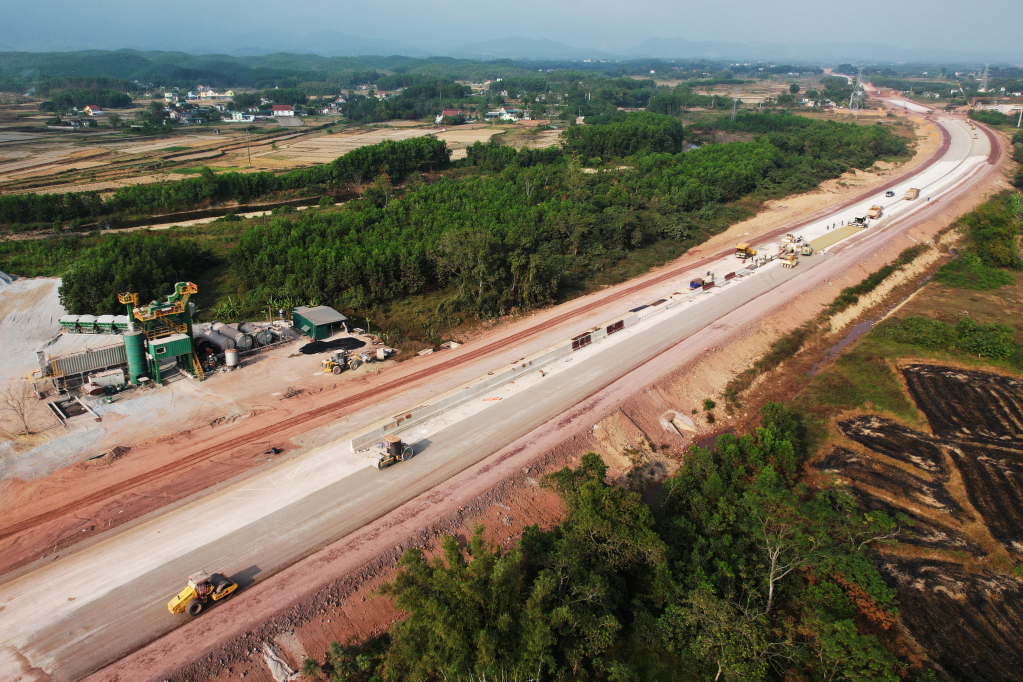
993	478
971	624
898	442
967	402
919	531
867	470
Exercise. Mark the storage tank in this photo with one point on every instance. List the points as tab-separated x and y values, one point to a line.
261	335
219	342
231	357
135	348
242	341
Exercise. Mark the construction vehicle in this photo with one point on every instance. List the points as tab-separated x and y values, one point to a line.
696	283
788	239
889	194
744	251
806	250
860	220
875	212
391	450
342	360
202	588
911	194
790	261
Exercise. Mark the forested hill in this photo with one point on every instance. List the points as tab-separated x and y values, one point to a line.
510	229
20	71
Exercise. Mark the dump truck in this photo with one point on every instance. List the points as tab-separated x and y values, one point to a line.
744	251
391	450
911	194
201	589
875	212
790	261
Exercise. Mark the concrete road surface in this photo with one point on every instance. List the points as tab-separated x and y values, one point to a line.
96	605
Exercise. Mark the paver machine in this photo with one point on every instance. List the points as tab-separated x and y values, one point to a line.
201	589
392	450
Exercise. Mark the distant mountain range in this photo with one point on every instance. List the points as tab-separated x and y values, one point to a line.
333	44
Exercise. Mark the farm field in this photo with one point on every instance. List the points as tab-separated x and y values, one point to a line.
956	491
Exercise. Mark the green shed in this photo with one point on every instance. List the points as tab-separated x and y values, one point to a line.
320	322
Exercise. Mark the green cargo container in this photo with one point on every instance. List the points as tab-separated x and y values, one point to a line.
121	324
69	323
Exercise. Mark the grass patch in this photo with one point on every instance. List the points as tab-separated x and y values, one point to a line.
970	272
861	378
174	149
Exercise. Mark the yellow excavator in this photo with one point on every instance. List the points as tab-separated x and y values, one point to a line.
202	588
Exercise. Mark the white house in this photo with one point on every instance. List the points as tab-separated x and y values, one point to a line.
283	110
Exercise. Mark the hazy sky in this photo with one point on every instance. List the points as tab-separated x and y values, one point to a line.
979	26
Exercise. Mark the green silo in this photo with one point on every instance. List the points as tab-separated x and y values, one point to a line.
135	347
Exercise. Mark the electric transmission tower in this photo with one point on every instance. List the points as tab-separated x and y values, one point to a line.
983	80
858	94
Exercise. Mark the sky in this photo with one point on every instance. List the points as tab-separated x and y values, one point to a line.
979	27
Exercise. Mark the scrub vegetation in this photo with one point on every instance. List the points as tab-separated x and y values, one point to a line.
738	574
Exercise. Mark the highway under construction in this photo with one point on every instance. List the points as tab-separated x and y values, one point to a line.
456	413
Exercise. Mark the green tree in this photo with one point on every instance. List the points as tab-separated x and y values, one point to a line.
794	88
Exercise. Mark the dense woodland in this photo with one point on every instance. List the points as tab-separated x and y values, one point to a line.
65	100
520	227
736	574
508	230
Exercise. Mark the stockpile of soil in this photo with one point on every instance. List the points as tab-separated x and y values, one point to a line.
957	494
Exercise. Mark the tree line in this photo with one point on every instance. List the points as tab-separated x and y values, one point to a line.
396	158
65	100
737	573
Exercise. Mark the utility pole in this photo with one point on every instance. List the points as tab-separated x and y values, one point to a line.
248	152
